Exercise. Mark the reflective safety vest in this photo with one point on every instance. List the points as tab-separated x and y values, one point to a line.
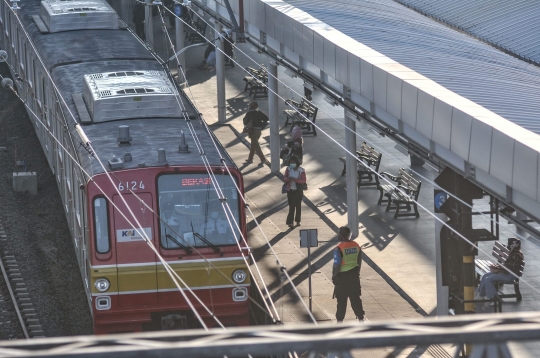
349	251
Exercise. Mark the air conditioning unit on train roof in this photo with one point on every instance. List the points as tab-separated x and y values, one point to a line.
130	94
66	15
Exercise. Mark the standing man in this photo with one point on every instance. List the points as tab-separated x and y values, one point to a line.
259	120
346	275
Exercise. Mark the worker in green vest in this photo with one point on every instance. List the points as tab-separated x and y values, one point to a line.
346	275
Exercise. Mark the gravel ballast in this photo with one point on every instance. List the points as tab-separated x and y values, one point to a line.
37	229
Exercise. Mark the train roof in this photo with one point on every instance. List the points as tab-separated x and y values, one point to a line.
71	55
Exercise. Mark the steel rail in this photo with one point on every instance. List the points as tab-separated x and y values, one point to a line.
14	299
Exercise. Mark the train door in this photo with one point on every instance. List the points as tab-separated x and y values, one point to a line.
137	276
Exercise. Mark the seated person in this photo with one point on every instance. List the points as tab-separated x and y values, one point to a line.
513	263
209	62
293	147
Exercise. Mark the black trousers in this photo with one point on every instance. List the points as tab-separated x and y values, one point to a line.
294	197
347	286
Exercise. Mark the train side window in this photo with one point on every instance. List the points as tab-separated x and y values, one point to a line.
30	66
101	226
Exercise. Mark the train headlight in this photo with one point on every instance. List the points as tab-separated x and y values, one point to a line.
239	276
102	284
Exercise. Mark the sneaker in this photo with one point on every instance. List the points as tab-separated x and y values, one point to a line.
298	223
291	226
492	304
248	161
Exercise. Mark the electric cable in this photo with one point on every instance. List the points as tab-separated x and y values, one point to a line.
365	165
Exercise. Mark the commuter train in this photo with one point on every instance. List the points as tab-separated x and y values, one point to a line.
109	88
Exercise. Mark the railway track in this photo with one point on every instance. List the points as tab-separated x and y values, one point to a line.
18	319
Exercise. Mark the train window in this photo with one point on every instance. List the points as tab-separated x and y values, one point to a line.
101	226
30	68
192	214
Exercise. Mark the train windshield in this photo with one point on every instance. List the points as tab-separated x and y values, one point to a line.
191	212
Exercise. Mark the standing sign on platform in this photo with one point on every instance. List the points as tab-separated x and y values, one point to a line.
309	238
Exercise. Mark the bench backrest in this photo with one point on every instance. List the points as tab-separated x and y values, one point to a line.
308	108
408	182
501	252
370	155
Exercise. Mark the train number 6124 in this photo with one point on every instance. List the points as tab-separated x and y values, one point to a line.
130	185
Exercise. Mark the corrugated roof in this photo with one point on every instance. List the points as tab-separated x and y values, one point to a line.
469	67
512	25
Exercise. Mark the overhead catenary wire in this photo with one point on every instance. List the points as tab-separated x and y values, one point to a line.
86	143
282	267
369	168
357	134
167	267
171	272
481	214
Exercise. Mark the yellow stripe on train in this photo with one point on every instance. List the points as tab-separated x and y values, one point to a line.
142	277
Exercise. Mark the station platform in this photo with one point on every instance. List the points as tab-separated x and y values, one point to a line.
398	273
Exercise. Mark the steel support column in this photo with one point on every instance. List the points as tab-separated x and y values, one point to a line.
179	32
442	291
220	74
352	175
275	163
149	24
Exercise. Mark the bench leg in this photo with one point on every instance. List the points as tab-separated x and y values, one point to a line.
286	122
518	292
344	171
398	206
388	206
381	197
416	210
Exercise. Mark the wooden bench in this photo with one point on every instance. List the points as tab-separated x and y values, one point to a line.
372	159
304	115
256	82
196	37
500	252
403	194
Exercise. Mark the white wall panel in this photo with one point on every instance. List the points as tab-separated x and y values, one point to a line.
318	50
269	20
288	31
361	101
525	169
298	38
342	68
460	138
393	98
379	87
278	25
409	101
424	115
502	157
366	83
307	35
353	65
329	54
480	152
442	123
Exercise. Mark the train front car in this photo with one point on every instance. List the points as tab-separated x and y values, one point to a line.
156	201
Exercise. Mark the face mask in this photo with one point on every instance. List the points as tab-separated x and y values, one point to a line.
293	166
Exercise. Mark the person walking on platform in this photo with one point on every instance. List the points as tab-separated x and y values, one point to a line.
346	275
295	183
257	121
